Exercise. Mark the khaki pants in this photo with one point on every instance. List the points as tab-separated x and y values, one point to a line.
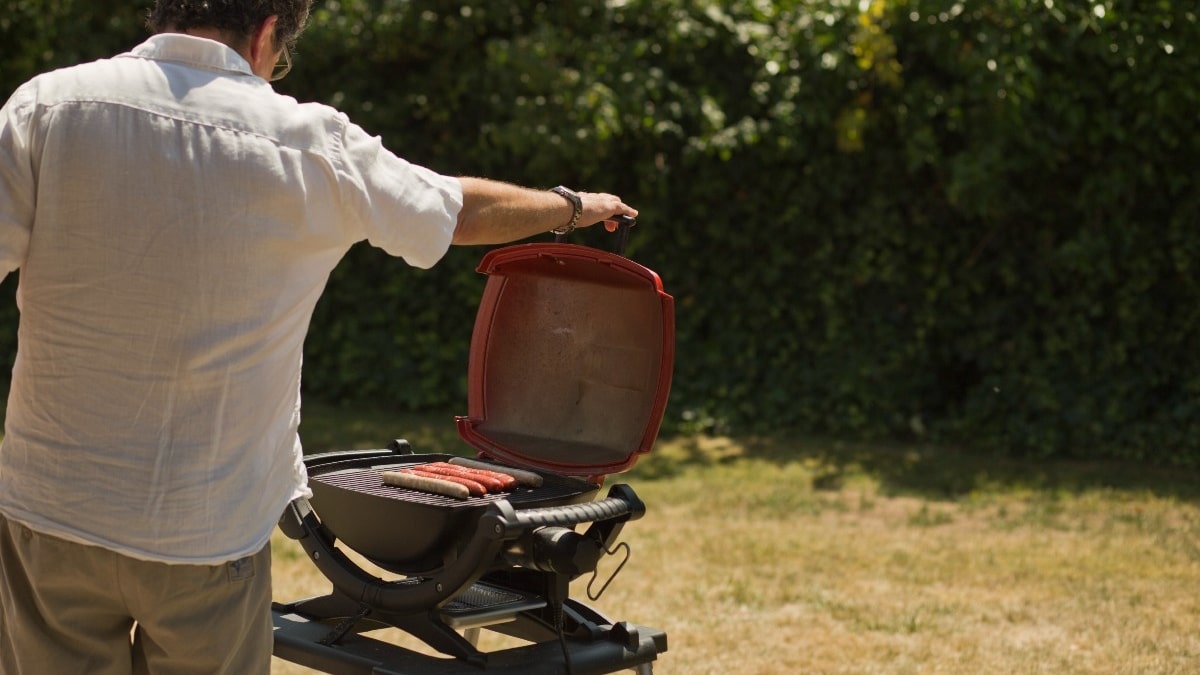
68	608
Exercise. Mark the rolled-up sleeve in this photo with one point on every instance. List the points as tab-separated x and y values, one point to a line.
18	188
405	209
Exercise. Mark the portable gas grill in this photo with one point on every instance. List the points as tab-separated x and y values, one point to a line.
570	368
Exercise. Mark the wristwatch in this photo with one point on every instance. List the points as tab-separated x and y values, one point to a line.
576	202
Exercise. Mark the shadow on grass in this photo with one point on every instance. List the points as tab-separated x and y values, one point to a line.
925	470
916	469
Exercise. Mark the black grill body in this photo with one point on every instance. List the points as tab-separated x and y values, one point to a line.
406	531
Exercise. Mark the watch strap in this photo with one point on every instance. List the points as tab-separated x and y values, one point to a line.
576	203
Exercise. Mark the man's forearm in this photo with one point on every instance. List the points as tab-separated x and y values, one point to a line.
495	213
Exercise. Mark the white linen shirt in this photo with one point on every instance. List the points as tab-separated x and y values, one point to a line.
175	221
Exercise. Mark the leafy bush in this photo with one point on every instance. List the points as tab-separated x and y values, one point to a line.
969	222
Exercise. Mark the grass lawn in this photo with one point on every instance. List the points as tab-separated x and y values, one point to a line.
787	554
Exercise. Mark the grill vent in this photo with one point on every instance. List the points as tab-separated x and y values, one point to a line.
480	596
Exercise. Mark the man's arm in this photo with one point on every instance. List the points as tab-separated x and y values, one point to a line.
496	213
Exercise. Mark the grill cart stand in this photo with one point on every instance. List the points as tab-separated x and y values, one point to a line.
525	598
612	648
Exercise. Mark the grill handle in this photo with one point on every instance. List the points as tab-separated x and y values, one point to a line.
624	223
622	504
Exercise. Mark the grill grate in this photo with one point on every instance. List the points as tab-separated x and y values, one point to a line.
369	480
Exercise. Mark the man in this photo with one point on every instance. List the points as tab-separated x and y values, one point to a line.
174	221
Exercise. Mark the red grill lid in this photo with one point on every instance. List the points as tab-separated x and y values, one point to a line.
571	359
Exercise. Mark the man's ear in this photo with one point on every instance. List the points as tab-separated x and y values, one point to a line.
262	47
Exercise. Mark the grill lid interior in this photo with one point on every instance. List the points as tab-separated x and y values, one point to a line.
571	359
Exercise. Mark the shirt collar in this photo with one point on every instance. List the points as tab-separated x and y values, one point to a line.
192	51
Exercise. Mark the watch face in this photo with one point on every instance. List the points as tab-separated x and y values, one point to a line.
568	193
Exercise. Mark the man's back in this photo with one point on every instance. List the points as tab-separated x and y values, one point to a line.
187	219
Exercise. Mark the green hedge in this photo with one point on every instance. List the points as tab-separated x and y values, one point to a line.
967	222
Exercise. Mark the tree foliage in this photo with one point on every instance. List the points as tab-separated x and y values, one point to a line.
971	222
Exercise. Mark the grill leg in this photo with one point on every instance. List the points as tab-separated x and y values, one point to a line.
645	669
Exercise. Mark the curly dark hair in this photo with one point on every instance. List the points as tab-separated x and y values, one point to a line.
236	17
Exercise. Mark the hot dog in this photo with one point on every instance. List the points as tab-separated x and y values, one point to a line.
437	486
475	488
523	478
490	483
492	480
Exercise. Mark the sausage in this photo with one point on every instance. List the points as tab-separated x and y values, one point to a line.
507	482
493	481
476	488
523	478
490	483
437	486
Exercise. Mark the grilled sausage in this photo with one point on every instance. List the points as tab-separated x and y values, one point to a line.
490	483
524	478
506	481
476	488
437	486
493	481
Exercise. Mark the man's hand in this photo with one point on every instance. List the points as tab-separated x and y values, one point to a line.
600	207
